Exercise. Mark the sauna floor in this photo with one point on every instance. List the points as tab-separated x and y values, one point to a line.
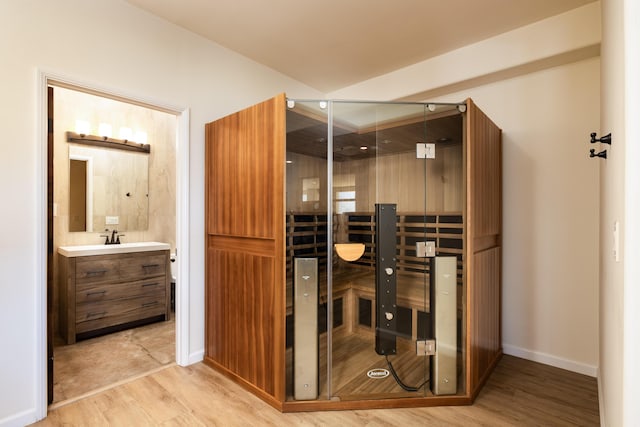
353	356
96	363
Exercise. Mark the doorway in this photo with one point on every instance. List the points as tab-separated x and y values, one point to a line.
180	222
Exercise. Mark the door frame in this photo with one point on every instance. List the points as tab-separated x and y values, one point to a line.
44	79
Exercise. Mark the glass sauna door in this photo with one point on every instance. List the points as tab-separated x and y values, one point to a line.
375	201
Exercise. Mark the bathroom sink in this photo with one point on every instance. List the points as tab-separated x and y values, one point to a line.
85	250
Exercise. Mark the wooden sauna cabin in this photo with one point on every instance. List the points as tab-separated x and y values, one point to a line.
413	318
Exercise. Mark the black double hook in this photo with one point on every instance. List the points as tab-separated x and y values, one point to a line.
604	140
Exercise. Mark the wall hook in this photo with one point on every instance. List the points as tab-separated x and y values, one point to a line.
604	139
602	154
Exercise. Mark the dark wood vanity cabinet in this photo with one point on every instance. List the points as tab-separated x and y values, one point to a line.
101	293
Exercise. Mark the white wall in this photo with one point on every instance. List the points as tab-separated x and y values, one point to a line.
619	292
108	44
540	84
551	190
612	209
550	201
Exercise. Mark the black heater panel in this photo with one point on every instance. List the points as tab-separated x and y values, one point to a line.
386	309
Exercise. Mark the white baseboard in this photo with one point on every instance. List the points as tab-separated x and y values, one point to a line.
551	360
21	419
195	357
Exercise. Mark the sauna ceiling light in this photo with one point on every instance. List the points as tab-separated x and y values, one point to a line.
323	104
431	107
291	103
364	148
349	251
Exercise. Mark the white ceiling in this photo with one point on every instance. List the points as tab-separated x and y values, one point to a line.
331	44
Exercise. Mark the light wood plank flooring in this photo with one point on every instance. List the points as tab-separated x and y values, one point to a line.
519	393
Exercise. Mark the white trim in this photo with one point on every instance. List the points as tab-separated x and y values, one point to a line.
20	419
40	358
551	360
195	357
601	407
182	240
44	78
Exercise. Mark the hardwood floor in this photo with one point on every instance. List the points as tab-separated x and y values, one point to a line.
519	393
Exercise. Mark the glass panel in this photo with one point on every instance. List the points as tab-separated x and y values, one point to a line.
306	248
391	192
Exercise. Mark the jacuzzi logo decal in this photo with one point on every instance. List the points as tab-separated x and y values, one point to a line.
378	373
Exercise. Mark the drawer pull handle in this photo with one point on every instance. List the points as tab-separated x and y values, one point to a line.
150	265
101	313
96	293
95	272
149	284
150	304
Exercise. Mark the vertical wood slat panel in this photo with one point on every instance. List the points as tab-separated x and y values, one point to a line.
245	150
483	250
486	174
486	341
245	289
240	316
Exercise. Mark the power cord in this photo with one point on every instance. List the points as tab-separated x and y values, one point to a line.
399	381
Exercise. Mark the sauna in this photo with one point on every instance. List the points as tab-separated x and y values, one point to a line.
353	252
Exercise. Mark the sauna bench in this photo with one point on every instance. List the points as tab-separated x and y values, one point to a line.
103	293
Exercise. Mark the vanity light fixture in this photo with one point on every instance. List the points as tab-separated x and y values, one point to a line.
104	141
104	130
83	127
126	133
141	137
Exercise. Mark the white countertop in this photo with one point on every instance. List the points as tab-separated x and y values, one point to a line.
86	250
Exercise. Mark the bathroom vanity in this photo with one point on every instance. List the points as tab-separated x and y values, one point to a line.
104	288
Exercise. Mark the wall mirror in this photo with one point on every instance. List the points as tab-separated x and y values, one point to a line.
108	189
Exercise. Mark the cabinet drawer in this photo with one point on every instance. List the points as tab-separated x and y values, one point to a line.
139	267
97	315
89	292
96	270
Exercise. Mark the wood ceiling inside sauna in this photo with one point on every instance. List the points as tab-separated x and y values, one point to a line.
307	135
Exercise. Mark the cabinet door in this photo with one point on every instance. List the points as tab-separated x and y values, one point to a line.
245	318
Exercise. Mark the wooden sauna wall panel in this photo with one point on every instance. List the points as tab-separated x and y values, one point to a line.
244	291
486	341
246	173
403	183
485	162
484	239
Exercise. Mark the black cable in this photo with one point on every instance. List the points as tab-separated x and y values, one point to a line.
399	381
